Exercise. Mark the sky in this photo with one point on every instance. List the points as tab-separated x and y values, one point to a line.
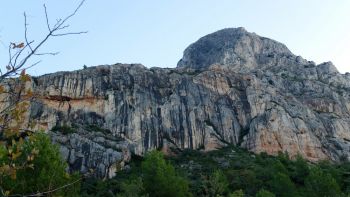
156	32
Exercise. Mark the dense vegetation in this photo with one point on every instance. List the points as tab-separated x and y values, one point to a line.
226	172
229	172
45	176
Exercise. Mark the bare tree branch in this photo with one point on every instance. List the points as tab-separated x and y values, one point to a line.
66	26
14	89
18	54
47	19
14	66
36	63
70	33
25	31
10	56
68	17
53	53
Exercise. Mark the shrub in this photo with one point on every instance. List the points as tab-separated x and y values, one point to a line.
237	193
160	178
282	186
65	129
47	173
264	193
217	184
132	188
320	183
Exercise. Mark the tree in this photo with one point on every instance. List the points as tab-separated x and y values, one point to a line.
132	188
282	186
237	193
217	184
319	183
15	97
47	172
160	178
244	178
300	170
264	193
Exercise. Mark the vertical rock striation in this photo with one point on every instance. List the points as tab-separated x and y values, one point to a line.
230	87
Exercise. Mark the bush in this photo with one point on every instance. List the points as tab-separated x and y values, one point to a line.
160	178
246	175
320	183
96	128
217	184
282	186
132	188
300	170
47	173
65	129
237	193
264	193
244	178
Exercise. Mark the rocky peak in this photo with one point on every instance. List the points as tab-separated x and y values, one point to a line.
234	47
256	95
327	68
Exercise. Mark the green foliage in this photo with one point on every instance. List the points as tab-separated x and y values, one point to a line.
93	187
65	129
282	186
237	193
300	170
160	178
345	177
132	188
243	174
96	128
48	171
244	178
217	184
264	193
153	176
320	183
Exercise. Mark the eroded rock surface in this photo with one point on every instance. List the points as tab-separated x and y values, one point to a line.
93	152
231	87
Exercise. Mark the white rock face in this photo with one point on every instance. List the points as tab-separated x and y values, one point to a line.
231	87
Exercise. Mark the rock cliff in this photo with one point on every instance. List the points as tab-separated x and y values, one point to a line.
230	87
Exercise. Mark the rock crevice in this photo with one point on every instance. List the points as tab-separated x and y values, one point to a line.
230	87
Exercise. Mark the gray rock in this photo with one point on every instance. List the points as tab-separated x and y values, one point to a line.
231	87
86	155
327	68
234	47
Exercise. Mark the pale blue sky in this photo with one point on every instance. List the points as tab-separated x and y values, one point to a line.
155	32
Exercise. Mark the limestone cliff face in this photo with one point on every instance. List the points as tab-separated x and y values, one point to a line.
231	87
234	47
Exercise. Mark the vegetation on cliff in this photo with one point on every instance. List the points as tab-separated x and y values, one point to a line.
227	172
45	175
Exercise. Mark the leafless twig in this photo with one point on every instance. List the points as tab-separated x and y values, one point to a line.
14	91
14	65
